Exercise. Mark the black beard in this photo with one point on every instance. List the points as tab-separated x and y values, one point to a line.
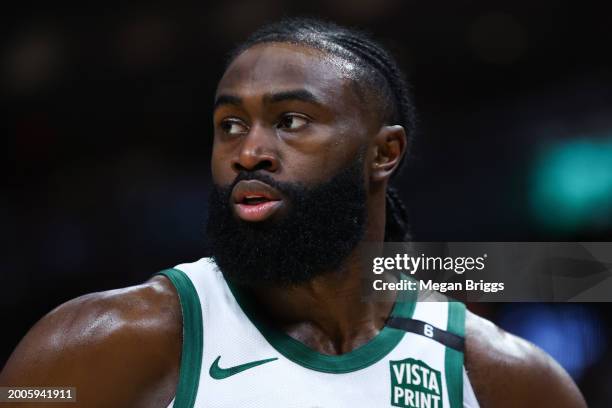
322	226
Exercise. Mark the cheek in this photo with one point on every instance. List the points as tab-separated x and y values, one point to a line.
220	167
320	166
344	149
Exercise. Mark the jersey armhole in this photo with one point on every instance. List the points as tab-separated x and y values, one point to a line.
453	359
191	354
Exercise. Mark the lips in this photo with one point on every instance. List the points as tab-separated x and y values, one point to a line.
255	201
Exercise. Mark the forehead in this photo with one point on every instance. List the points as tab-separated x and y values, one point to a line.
273	67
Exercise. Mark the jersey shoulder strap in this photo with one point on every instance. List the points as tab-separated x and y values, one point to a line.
453	359
191	355
452	337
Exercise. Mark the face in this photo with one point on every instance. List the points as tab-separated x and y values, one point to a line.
291	137
290	110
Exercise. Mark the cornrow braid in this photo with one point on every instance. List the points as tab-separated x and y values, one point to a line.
377	71
396	228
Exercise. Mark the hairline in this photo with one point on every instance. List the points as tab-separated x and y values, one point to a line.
364	90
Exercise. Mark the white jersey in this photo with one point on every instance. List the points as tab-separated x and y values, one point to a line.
231	359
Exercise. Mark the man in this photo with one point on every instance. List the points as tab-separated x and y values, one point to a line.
311	121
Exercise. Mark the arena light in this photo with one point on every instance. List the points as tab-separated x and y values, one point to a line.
547	327
571	185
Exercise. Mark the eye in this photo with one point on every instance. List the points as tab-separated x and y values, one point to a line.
234	126
292	121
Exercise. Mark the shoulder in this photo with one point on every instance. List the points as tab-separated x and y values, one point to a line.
111	345
507	371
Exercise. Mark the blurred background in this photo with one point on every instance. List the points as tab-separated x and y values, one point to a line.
108	134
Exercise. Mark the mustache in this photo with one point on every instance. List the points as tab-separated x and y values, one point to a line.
283	187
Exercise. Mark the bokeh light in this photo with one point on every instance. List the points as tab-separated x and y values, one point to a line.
572	185
572	334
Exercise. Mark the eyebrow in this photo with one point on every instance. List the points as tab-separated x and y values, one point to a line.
292	95
227	100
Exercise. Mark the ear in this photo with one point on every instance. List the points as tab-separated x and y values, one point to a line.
389	148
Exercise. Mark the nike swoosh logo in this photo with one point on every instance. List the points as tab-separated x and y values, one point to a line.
219	373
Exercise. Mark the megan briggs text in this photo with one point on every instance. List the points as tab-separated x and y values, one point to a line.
442	287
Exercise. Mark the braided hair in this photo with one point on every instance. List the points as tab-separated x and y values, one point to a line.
377	72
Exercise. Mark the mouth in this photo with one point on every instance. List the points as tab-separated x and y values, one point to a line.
255	201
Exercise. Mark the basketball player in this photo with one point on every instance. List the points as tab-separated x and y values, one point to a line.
311	120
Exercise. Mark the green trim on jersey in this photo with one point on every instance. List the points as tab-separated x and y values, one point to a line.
191	356
362	357
453	359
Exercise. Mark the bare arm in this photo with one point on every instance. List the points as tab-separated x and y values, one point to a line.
119	348
507	371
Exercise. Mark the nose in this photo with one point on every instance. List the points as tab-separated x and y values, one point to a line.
257	151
